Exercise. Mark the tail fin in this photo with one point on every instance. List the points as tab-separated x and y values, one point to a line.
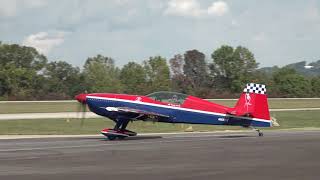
253	102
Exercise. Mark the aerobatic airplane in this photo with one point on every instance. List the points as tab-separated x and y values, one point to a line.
251	109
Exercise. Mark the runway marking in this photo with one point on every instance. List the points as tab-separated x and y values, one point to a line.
168	134
117	143
139	134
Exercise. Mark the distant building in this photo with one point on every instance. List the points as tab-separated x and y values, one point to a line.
308	67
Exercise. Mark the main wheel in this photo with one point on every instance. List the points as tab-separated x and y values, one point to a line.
111	138
260	134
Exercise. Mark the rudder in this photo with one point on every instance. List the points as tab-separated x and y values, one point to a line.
253	102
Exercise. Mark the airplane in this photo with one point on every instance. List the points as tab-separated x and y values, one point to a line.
250	111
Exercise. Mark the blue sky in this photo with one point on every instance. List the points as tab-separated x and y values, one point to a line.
277	32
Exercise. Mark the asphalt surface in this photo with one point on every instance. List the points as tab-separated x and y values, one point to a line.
277	155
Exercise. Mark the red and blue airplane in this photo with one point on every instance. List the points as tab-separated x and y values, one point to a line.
251	109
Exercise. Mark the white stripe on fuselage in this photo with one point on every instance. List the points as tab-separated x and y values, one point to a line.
174	107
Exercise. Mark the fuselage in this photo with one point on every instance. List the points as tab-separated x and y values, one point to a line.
189	109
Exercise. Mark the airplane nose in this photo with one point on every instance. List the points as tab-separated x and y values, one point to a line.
81	98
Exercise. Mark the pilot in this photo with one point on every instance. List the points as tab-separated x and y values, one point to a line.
175	99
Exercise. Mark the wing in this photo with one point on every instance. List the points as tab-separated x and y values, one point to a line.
141	114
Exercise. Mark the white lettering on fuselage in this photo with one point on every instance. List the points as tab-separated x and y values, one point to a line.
138	99
111	109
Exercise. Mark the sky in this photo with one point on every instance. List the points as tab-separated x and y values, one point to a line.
277	32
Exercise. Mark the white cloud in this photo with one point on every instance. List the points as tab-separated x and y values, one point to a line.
184	8
192	8
218	8
44	41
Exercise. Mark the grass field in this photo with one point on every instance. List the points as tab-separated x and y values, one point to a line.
296	119
35	107
38	107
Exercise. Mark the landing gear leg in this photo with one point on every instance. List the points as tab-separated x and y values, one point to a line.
260	133
120	123
124	125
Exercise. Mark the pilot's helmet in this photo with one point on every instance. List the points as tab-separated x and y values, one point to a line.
175	97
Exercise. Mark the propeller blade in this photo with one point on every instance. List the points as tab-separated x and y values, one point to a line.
83	114
78	110
81	98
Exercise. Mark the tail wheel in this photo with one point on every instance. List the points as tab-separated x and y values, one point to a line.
260	134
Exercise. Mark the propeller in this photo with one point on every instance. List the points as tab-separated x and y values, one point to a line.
82	107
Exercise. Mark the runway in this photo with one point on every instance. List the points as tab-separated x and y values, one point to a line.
277	155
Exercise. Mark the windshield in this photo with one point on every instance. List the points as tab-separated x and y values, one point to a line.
168	97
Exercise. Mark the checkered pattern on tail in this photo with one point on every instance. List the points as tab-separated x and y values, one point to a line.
255	88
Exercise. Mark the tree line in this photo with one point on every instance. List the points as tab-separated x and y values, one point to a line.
25	74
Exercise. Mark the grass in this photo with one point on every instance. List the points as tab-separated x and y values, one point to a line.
37	107
296	119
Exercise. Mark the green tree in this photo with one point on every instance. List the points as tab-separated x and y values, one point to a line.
101	75
4	83
234	67
133	78
158	74
195	69
21	57
288	83
20	67
63	79
18	82
315	82
178	79
176	65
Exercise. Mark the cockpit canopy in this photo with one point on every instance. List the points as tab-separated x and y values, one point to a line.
168	97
